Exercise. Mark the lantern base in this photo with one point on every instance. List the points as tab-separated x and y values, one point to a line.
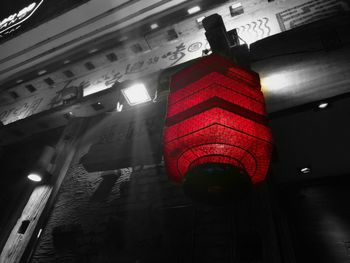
216	183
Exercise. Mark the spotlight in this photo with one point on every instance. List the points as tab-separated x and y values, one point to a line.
193	10
323	105
41	169
35	177
136	94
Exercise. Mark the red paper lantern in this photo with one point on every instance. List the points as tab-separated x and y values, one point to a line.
216	128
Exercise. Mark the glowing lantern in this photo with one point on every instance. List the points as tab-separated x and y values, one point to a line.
216	140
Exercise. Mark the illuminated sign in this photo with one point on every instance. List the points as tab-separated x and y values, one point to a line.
13	22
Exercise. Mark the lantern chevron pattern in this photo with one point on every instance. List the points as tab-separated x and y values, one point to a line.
216	114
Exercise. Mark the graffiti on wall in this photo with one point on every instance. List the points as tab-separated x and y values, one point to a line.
309	12
255	30
29	106
105	78
148	63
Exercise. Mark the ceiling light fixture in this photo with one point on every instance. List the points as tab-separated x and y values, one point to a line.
94	50
323	105
154	26
41	72
67	61
193	10
305	170
136	94
35	177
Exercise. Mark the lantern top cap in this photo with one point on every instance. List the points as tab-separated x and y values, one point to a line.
213	63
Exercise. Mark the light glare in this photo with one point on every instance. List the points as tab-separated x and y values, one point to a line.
136	94
34	177
94	89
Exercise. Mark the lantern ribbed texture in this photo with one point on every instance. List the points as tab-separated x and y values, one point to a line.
216	114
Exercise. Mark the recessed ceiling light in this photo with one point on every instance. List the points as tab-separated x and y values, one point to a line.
19	81
34	177
154	26
41	72
323	105
193	10
67	61
136	94
93	50
305	170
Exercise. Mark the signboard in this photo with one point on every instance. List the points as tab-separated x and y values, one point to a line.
125	139
30	13
142	65
14	21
